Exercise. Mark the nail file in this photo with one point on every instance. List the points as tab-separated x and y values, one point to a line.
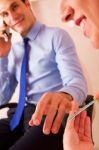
82	109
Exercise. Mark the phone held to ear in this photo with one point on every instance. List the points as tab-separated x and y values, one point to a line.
6	31
6	34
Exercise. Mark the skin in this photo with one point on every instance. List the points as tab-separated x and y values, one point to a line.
47	106
78	131
18	16
81	12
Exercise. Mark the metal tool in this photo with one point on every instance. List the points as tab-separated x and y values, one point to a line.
81	109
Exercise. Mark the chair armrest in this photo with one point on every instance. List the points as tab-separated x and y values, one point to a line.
8	105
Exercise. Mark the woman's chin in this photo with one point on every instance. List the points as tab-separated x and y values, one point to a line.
95	44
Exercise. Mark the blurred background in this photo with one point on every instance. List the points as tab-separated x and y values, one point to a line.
47	11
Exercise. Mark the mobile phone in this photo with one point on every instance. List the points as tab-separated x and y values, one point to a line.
6	32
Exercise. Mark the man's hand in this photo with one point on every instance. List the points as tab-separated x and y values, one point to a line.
54	106
5	41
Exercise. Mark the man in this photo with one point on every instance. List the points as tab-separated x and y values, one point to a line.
54	78
86	14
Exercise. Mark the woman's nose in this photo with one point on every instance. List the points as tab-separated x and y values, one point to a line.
67	14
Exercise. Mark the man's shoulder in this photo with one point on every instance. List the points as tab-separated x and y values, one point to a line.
54	29
54	32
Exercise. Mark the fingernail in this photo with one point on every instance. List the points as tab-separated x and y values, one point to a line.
46	131
55	130
36	122
31	123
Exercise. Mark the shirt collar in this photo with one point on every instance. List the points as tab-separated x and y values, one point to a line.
34	31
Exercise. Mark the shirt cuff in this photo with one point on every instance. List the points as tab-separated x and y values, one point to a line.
76	93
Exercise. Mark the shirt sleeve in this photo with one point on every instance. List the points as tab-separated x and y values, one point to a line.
8	82
69	66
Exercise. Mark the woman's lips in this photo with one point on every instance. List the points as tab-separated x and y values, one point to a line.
79	20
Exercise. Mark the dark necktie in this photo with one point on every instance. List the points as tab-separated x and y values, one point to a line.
22	97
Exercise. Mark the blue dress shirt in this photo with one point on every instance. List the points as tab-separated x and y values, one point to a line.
53	66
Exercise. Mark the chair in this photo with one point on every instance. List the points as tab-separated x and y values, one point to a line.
8	105
90	111
91	108
11	108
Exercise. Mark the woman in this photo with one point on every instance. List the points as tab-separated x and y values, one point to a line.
83	12
77	134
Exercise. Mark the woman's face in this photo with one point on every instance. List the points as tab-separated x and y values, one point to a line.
84	14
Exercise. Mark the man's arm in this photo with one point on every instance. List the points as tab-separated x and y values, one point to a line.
8	82
55	104
69	66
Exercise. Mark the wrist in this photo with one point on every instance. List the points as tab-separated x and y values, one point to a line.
68	96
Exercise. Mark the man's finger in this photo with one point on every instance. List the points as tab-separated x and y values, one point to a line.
38	114
58	120
49	119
